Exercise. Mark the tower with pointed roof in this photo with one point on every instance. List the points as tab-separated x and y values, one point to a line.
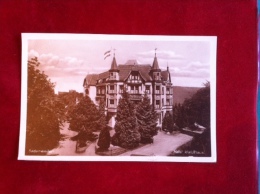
112	97
157	87
155	70
114	71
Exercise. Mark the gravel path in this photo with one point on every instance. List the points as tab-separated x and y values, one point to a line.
163	145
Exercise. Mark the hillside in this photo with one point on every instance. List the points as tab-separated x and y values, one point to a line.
181	93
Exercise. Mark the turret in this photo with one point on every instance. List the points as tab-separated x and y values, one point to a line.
155	70
114	71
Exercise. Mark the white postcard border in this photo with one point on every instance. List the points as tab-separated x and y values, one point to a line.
60	36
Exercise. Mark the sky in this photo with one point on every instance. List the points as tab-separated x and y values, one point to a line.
67	61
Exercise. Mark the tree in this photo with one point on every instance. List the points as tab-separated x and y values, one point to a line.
44	111
147	120
168	124
194	109
69	99
197	108
126	131
85	115
179	117
102	115
104	139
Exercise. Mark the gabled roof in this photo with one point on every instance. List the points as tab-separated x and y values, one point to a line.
125	70
91	79
132	62
103	75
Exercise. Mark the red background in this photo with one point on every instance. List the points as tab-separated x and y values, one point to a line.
235	24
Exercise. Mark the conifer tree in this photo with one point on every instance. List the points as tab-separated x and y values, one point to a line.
168	124
147	120
126	131
104	139
102	115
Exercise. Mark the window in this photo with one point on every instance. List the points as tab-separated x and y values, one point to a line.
147	89
112	87
157	104
162	101
167	90
134	75
157	90
168	102
112	101
134	90
121	89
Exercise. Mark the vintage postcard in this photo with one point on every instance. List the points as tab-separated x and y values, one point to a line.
92	97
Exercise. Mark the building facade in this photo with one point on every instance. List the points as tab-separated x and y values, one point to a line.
137	79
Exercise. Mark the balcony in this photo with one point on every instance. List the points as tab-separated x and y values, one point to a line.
112	106
111	92
97	98
157	92
157	106
168	107
134	92
169	97
135	97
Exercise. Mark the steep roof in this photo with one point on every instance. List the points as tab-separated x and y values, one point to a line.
114	64
125	70
90	79
155	64
165	75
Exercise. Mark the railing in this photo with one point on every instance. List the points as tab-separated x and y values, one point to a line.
134	92
112	106
112	78
135	97
111	92
157	92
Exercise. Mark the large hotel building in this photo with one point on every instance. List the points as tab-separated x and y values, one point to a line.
136	79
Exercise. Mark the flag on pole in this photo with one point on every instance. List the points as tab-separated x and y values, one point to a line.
107	54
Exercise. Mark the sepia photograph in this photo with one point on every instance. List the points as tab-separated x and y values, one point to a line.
97	97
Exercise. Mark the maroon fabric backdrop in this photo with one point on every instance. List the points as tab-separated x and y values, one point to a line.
235	24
